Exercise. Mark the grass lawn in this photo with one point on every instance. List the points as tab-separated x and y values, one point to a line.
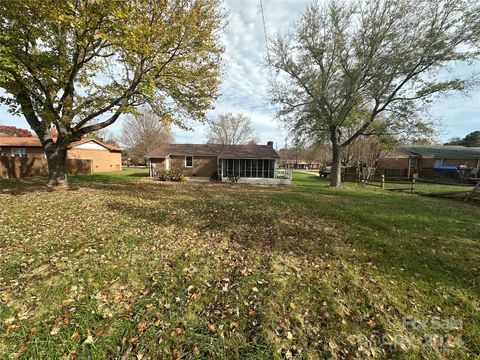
122	266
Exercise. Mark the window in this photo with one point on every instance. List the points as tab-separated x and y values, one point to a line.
19	151
249	168
188	161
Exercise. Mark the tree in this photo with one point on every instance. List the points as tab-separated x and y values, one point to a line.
231	129
307	152
366	151
78	65
104	136
6	130
354	69
470	140
143	133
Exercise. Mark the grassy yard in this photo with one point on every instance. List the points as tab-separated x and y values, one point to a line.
123	266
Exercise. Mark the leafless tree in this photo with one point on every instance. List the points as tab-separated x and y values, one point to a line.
143	133
105	136
232	129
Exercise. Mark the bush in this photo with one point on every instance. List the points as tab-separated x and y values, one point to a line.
175	175
170	175
162	175
214	176
233	177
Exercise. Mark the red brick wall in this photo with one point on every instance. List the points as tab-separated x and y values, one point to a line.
203	166
31	151
26	166
103	160
471	163
393	163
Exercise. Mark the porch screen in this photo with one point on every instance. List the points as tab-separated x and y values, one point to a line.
249	168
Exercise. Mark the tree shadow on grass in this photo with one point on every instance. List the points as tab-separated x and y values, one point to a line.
139	174
428	247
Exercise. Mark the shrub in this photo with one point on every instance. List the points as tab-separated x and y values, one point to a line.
170	175
233	177
175	175
214	176
162	175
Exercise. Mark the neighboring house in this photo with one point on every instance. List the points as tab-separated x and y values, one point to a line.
299	164
103	157
252	163
417	158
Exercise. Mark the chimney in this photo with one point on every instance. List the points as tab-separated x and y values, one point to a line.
270	143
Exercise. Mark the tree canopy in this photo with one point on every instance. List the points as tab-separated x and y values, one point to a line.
143	133
231	129
78	65
368	67
470	140
6	130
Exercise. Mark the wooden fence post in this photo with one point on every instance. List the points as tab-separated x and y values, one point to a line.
413	184
382	182
475	189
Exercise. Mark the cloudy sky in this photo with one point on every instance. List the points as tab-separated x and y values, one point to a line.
245	84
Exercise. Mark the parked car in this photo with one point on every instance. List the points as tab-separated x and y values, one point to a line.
325	171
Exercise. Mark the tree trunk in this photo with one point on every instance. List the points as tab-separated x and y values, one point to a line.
336	174
57	164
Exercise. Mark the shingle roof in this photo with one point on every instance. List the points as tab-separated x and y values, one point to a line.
224	151
441	150
302	161
35	142
20	141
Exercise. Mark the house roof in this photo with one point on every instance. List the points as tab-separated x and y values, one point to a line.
441	151
35	142
20	141
224	151
299	161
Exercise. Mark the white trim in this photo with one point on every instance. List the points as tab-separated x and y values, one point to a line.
20	153
261	181
91	145
185	161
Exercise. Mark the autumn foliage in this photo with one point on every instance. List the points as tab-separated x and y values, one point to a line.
6	130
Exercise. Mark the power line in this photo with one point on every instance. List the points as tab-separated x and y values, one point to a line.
266	40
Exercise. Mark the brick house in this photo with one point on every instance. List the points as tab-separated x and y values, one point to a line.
299	164
416	159
252	163
102	157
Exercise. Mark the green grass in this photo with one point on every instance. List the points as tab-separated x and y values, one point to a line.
124	266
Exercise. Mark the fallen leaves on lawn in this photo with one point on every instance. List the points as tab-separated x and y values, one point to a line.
212	329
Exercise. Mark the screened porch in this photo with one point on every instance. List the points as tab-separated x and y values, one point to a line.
248	168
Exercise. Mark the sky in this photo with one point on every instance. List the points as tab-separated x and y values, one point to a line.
244	86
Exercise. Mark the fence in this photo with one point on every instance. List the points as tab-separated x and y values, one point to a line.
457	191
283	174
26	166
351	173
408	185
